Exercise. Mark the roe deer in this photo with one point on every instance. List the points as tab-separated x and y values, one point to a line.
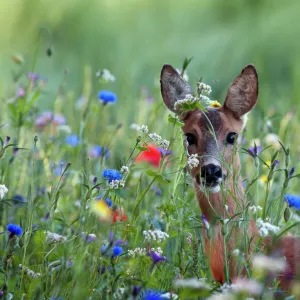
212	136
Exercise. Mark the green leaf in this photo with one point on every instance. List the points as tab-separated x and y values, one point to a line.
152	173
30	103
175	120
141	148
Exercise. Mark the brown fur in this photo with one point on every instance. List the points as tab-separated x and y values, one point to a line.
241	98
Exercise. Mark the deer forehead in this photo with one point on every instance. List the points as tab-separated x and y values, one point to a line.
216	120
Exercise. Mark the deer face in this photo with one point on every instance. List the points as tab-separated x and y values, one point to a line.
212	135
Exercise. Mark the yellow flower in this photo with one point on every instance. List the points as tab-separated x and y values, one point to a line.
215	104
101	209
264	178
268	162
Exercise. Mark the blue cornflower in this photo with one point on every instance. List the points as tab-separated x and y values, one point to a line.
151	295
292	200
107	97
14	230
103	249
19	199
111	175
117	250
108	202
72	140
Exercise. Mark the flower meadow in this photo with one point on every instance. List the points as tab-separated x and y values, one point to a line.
95	207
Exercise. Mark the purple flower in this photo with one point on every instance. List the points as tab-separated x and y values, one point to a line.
156	258
14	230
275	163
59	119
107	97
7	139
204	221
88	237
292	200
164	152
136	290
254	151
72	140
292	171
44	118
111	175
98	151
20	93
33	76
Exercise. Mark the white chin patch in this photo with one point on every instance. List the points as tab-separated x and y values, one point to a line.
214	189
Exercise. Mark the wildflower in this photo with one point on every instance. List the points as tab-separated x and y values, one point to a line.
156	257
189	238
19	199
191	283
143	251
269	264
117	251
204	221
155	235
72	140
264	228
250	286
109	202
151	295
64	128
101	209
105	75
236	252
135	126
272	139
152	155
275	163
111	175
14	229
291	172
136	290
54	238
29	272
193	161
107	97
20	93
124	170
292	200
98	151
187	101
204	99
88	237
154	137
204	88
164	152
164	144
254	151
169	296
3	190
116	184
254	208
119	216
144	129
33	77
215	104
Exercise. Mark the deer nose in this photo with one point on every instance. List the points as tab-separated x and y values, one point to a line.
211	173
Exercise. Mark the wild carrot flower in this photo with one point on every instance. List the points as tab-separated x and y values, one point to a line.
274	265
54	238
292	200
154	137
14	229
111	175
107	97
105	75
72	140
203	88
264	228
155	235
144	129
193	161
3	190
124	170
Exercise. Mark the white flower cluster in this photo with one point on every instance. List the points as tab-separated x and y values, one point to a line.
164	144
274	265
265	228
154	137
143	251
29	272
189	99
116	184
135	126
119	293
106	75
54	238
205	99
3	190
236	252
169	296
191	283
184	75
204	88
254	209
155	235
144	129
193	161
124	170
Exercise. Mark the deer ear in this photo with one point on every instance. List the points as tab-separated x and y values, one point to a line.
243	92
173	87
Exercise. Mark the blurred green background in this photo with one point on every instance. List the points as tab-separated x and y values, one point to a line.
133	39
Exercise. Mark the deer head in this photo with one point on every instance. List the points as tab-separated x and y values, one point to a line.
212	135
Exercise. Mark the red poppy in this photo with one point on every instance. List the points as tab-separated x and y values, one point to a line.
119	216
152	155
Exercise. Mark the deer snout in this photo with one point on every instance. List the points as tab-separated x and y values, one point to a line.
211	174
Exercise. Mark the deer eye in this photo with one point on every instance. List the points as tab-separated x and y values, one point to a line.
231	138
191	139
